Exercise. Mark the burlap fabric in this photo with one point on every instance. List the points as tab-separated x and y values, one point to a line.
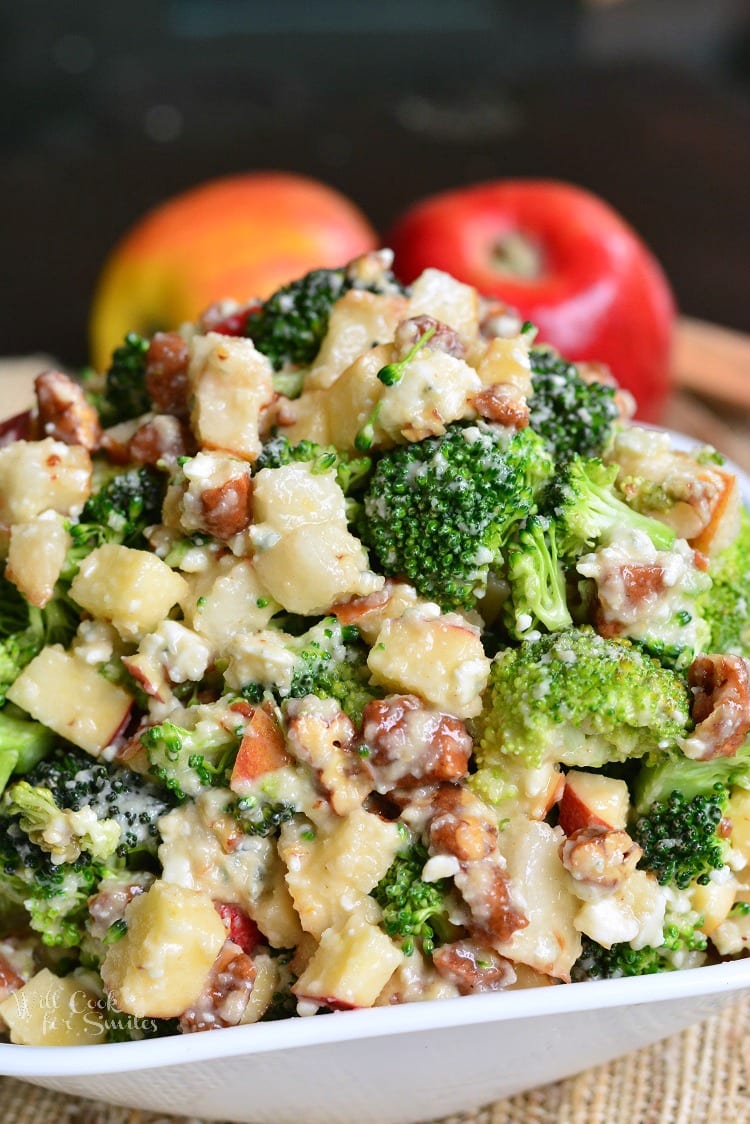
701	1076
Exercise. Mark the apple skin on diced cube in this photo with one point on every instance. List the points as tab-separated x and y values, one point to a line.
262	749
592	800
70	697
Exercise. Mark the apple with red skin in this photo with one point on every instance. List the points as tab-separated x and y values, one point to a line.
240	236
563	259
592	800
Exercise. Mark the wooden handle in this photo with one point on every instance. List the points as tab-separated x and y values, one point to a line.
712	361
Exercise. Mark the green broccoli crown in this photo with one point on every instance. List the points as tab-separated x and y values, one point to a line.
681	936
726	606
112	792
125	395
666	773
258	815
118	512
439	511
571	415
59	830
332	664
25	629
54	896
576	697
351	472
679	837
583	502
413	910
290	326
537	579
185	761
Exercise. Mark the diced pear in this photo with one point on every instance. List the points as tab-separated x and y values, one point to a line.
131	588
49	1011
72	698
160	966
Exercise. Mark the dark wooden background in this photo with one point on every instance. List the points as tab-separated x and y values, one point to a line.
109	107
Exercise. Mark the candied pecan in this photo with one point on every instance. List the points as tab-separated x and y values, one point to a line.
473	969
228	508
64	412
167	362
412	744
485	888
721	706
225	994
600	856
321	735
503	403
444	339
459	825
161	438
108	906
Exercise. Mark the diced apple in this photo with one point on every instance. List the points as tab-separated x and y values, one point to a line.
37	476
437	294
232	384
72	698
262	750
351	966
451	671
160	966
591	800
50	1011
131	588
713	902
738	811
36	555
724	525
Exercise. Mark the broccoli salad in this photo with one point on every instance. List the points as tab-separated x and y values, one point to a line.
356	649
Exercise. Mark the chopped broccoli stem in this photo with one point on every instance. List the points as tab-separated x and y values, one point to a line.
659	777
63	833
537	579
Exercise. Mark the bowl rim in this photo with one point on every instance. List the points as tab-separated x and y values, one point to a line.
444	1014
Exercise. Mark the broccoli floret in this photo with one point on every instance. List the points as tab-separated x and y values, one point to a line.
585	507
332	664
260	814
537	579
351	472
185	761
679	837
125	395
112	792
26	629
439	511
578	698
54	896
657	779
726	606
571	415
118	512
413	910
63	833
682	937
291	325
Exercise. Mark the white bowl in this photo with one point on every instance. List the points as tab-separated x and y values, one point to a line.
392	1065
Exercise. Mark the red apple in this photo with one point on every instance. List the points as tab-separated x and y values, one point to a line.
591	800
240	237
262	750
565	260
240	928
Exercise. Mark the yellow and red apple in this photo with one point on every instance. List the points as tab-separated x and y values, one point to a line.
241	236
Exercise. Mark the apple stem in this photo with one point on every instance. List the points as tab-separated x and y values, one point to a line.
517	255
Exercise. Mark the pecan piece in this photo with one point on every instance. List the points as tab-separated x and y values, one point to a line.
64	412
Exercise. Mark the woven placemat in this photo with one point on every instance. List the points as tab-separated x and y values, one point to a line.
701	1076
